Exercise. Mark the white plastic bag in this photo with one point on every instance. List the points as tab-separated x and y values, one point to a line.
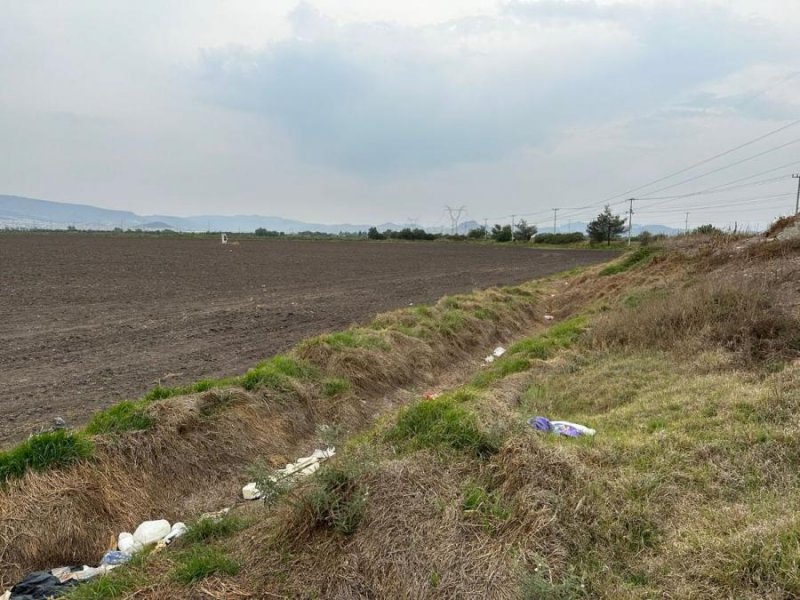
150	532
126	543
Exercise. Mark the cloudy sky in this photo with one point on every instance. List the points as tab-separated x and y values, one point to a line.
370	111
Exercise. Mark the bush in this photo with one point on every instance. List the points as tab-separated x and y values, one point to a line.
337	499
502	233
707	230
559	238
44	451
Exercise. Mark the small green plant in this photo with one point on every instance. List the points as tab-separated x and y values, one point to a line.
539	586
441	423
208	528
268	483
488	506
202	561
335	387
124	416
48	450
338	499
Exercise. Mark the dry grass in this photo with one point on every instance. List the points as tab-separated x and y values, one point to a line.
194	454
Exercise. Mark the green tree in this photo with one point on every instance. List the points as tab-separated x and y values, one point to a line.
477	234
606	227
524	232
374	234
502	233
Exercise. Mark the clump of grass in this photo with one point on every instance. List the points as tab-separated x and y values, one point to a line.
337	498
543	347
276	373
201	562
485	504
124	416
44	451
335	387
538	586
638	256
207	528
441	423
353	338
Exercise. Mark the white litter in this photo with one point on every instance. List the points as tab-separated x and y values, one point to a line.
302	467
178	529
126	543
496	353
151	532
549	317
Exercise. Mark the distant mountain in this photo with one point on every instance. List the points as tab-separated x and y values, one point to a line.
28	213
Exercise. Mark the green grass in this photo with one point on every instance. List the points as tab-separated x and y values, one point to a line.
124	416
337	499
206	529
441	424
44	451
486	505
517	358
116	584
630	260
276	373
200	562
335	387
354	338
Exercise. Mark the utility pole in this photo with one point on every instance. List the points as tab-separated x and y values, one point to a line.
485	227
686	229
555	219
455	216
797	203
512	227
630	220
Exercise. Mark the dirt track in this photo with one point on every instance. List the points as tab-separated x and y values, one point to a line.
88	320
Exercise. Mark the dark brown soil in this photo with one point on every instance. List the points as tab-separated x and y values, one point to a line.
88	320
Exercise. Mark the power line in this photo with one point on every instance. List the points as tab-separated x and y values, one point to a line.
704	161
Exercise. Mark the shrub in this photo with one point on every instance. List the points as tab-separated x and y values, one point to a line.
44	451
124	416
337	498
441	423
202	561
559	238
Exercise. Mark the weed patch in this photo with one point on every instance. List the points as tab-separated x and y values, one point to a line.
201	562
336	500
335	387
117	584
440	424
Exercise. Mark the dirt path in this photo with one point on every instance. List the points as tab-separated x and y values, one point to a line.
88	320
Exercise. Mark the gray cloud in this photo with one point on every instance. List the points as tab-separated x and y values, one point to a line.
377	99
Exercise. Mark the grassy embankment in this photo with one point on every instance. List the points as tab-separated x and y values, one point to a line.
684	360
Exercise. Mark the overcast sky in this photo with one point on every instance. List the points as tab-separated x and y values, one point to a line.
369	111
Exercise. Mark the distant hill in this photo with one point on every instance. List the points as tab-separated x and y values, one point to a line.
17	212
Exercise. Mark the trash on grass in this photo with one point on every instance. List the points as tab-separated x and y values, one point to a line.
549	318
564	428
115	557
301	467
151	532
496	353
